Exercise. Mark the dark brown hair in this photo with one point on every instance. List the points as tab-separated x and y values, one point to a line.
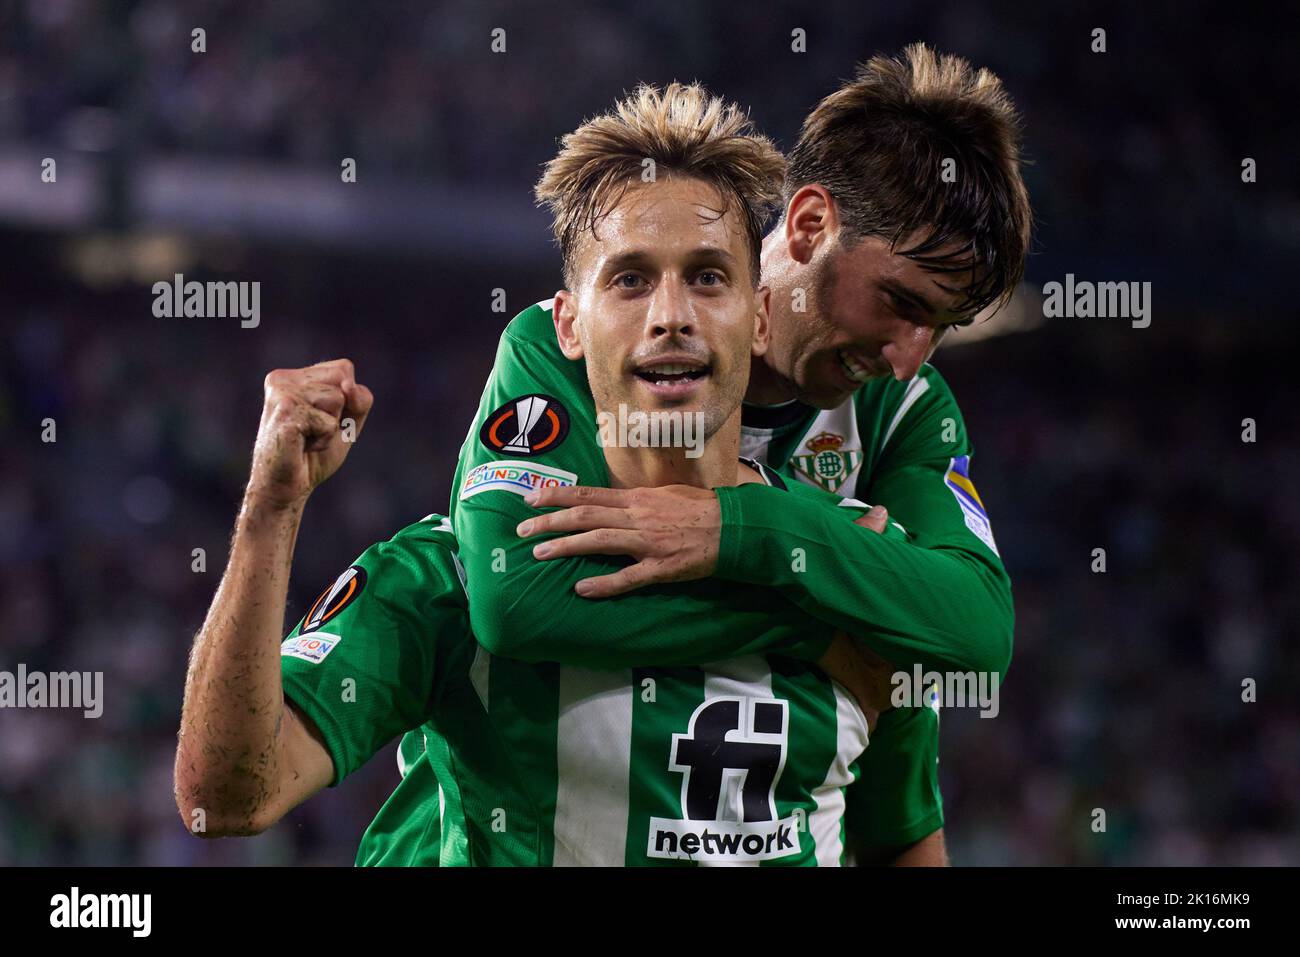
878	144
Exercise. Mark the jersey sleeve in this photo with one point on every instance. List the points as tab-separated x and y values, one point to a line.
895	801
537	426
941	599
407	831
362	662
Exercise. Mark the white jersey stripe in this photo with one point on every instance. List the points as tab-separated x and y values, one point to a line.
749	676
593	767
850	741
915	389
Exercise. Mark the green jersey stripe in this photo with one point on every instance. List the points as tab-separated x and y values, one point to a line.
524	707
662	697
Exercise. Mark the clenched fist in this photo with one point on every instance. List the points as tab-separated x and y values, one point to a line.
304	433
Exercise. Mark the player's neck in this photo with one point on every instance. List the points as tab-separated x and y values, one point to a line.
766	385
710	463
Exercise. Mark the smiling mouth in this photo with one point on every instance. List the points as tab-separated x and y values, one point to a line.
673	381
852	369
671	373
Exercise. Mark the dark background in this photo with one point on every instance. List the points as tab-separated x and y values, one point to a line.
1125	690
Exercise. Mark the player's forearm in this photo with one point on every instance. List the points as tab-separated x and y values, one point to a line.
228	756
929	851
940	608
646	629
526	608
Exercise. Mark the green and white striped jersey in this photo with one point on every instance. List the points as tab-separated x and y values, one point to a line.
516	763
743	762
938	596
509	787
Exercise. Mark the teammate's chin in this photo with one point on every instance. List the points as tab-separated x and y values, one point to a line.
828	380
823	382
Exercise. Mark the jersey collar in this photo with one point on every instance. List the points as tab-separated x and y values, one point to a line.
773	416
770	477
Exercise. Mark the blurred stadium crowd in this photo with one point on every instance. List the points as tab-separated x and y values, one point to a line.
408	88
1125	690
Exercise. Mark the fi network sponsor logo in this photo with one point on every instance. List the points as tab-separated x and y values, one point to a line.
55	689
730	759
75	910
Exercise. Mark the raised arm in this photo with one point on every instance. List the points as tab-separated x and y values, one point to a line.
244	758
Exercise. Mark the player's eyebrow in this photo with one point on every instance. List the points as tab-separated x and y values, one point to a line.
712	255
626	260
908	295
643	258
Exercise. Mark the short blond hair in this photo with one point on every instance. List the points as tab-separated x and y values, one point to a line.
686	131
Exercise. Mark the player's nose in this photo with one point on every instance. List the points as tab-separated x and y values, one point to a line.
907	351
670	312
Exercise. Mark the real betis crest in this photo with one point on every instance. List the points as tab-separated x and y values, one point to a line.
827	465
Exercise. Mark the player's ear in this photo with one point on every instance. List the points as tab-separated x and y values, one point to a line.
762	320
565	317
810	220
